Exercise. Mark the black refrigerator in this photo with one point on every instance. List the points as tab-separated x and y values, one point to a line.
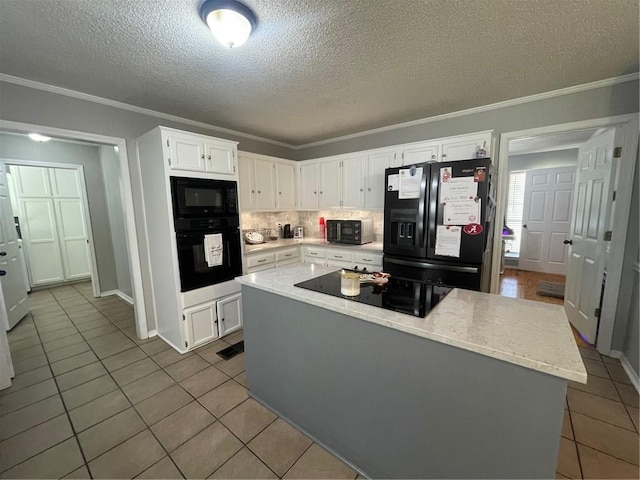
438	223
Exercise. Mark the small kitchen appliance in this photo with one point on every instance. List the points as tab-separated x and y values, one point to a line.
298	232
286	231
355	232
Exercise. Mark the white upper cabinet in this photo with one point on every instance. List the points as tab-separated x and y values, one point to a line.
376	165
198	153
330	176
353	173
308	191
419	153
266	183
286	186
465	147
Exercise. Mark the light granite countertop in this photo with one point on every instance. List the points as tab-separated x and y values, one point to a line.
290	242
531	334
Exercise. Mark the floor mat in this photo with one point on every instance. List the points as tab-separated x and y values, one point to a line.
232	351
550	289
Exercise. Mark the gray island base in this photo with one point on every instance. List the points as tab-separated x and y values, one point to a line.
397	405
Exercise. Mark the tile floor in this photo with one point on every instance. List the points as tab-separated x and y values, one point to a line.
90	400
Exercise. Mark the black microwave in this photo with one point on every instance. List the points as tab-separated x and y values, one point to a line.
202	198
355	232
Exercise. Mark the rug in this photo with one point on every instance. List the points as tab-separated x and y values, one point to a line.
550	289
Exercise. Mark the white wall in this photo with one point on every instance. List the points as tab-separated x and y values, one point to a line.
113	180
533	161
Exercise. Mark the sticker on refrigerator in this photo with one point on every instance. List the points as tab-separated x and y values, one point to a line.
473	229
478	175
458	188
461	212
448	241
409	184
393	183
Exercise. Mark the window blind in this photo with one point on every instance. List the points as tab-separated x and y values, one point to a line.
515	207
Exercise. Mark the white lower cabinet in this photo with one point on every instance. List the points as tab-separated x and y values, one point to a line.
333	257
229	312
210	320
257	262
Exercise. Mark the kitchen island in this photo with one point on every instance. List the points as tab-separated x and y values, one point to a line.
475	389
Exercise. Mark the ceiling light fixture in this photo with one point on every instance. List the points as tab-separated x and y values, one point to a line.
230	22
39	138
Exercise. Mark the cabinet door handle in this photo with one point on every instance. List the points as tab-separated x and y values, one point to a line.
362	190
367	259
338	256
202	156
3	273
288	254
320	192
279	193
444	155
315	192
253	191
433	157
259	191
208	157
262	260
2	254
369	189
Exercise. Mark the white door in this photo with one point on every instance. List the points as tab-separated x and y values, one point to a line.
186	153
11	274
330	180
286	182
309	186
229	311
376	165
590	215
219	158
546	218
265	184
200	324
73	238
353	182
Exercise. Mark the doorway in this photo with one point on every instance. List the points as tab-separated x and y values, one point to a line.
626	138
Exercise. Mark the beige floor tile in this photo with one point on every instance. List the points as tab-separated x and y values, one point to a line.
93	324
155	346
279	446
589	353
52	327
109	433
122	359
99	331
110	344
20	447
55	462
205	452
235	337
129	458
27	396
558	476
97	410
25	418
628	393
163	403
568	463
27	379
62	342
135	371
223	398
233	366
598	386
248	419
29	364
164	469
25	353
69	351
607	438
599	407
316	462
617	373
56	334
633	413
244	464
71	363
610	360
80	375
567	430
187	367
597	465
80	473
169	356
28	342
180	426
89	391
595	367
210	351
241	378
204	381
148	386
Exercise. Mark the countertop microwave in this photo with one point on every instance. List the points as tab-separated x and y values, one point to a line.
355	232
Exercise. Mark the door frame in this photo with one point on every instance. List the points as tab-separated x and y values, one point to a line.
130	223
95	280
623	186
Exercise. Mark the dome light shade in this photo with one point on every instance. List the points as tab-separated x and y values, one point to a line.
39	138
230	22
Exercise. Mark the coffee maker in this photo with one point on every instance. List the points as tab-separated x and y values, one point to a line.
286	231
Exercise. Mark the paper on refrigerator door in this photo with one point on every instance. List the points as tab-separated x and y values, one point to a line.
410	180
459	188
461	212
393	183
448	241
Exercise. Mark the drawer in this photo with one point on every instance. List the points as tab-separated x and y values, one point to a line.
314	252
261	267
289	254
340	255
258	260
367	258
339	264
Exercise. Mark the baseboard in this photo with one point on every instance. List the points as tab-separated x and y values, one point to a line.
152	333
120	294
633	376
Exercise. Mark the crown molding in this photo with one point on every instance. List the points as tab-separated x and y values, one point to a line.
469	111
131	108
484	108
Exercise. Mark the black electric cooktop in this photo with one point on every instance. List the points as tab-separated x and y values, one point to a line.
399	295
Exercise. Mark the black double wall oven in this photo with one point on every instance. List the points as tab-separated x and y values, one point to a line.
204	207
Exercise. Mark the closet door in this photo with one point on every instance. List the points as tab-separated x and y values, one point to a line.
70	220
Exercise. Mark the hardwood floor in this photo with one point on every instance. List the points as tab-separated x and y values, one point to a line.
523	284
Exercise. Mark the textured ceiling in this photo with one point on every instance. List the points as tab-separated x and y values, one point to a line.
317	69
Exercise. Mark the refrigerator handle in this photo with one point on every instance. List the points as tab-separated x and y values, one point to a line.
433	208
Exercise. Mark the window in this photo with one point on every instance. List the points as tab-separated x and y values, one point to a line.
515	205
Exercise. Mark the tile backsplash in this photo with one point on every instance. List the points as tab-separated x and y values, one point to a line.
309	219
